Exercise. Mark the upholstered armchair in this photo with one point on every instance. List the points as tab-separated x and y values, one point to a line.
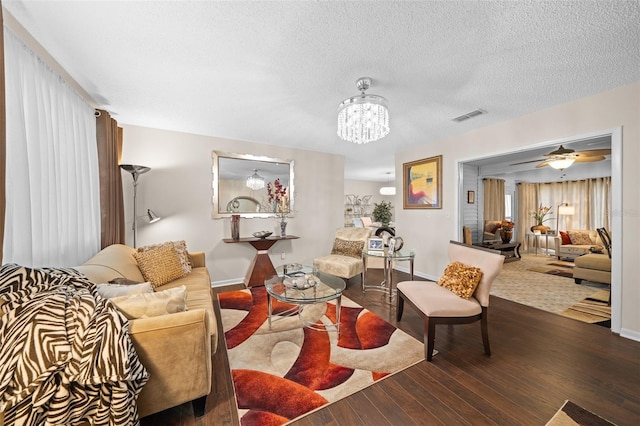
440	305
491	231
345	260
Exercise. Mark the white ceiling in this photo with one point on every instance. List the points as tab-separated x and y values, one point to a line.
274	72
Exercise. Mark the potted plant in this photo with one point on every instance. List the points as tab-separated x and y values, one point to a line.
541	215
506	231
382	212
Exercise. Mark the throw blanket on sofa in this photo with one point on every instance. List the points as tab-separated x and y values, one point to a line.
66	356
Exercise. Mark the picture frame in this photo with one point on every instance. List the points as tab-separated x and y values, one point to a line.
422	183
471	197
392	246
375	244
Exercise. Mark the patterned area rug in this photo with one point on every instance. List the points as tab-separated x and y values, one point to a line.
551	293
288	371
594	309
571	414
559	267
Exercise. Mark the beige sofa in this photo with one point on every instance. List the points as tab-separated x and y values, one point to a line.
175	349
572	251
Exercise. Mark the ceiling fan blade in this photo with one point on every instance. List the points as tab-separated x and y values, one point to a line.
589	159
526	162
593	153
543	164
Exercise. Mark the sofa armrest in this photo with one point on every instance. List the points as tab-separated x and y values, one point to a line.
173	347
197	259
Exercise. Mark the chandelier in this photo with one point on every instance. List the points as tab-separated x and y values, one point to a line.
255	181
363	118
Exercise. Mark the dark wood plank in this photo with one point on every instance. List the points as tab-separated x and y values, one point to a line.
538	360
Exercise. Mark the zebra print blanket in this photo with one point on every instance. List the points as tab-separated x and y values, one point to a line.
66	356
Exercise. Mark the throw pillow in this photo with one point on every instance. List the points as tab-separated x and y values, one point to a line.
146	305
181	249
461	279
580	238
117	290
565	238
160	266
351	248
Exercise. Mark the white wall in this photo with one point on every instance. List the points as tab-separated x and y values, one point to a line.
178	188
428	231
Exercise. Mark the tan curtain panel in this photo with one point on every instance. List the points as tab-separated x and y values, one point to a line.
3	141
527	202
493	193
109	139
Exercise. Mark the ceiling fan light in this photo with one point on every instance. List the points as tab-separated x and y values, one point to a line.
561	163
388	190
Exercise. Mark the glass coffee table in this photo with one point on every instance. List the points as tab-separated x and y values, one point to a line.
302	285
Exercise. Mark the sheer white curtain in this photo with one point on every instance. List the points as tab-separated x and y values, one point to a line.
53	200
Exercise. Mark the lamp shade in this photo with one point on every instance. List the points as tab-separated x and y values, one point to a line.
152	217
561	163
566	210
388	190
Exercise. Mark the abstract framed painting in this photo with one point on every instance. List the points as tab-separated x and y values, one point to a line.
422	183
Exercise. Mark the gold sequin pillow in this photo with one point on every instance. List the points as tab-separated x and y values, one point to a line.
181	249
461	279
580	238
160	266
351	248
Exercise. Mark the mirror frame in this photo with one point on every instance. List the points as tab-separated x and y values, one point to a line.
216	155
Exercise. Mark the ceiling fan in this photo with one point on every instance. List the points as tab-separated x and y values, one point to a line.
563	157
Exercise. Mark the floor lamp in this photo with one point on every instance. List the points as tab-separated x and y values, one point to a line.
135	171
566	210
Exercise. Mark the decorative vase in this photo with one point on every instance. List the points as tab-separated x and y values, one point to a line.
540	227
283	228
506	235
235	226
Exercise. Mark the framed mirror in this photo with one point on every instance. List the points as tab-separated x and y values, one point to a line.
251	186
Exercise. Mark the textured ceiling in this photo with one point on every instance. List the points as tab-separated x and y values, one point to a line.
274	72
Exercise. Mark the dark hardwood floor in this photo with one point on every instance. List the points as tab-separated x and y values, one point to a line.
538	361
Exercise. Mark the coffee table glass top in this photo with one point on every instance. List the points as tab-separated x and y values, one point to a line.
303	284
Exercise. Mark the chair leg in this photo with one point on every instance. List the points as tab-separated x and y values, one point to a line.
399	306
485	332
429	337
199	406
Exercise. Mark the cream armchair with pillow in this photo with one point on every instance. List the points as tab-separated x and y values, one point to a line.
345	260
175	347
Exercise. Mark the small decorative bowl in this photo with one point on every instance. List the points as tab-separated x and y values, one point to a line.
262	234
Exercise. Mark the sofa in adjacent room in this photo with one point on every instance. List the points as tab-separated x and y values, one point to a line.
576	242
175	348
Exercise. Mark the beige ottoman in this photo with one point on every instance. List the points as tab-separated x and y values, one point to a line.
592	267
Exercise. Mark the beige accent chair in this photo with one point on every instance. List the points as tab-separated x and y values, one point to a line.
344	266
438	305
491	231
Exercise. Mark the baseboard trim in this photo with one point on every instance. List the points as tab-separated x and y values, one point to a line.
227	282
630	334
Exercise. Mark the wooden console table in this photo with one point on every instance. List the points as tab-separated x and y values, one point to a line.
261	267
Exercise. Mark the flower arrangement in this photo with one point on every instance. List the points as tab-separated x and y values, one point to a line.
507	225
541	214
279	198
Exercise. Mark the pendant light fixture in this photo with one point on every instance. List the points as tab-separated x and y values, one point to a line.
388	190
255	181
363	118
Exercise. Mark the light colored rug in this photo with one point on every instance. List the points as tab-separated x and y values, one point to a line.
571	414
552	293
291	370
